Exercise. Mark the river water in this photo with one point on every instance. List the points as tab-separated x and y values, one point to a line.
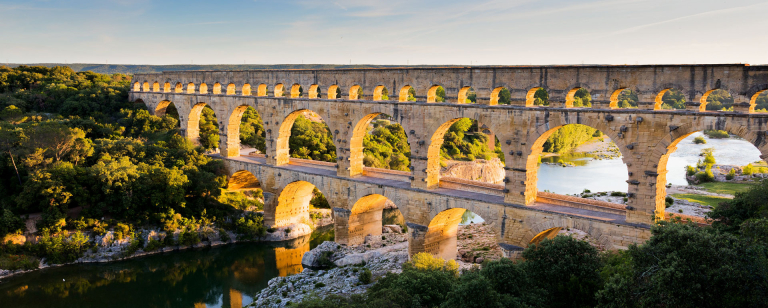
224	276
611	174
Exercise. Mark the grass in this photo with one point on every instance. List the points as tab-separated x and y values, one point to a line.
701	199
725	188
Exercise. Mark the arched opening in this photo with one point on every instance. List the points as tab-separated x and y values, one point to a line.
464	149
380	93
436	94
279	90
136	87
457	232
759	102
203	88
551	233
190	88
669	98
145	87
296	90
245	132
167	108
314	91
367	220
334	92
304	135
578	98
202	127
378	143
407	94
231	89
262	90
355	92
243	192
501	96
623	98
293	207
537	97
216	88
578	161
716	100
179	88
167	87
467	95
247	89
710	161
156	87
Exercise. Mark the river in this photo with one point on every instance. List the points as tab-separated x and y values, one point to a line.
611	174
224	276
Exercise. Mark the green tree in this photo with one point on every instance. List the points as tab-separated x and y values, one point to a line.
209	129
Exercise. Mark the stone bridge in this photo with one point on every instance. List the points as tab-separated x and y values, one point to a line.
646	136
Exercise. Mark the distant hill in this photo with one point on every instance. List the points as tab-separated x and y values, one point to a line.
132	69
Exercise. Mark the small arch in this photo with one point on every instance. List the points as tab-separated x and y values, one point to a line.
179	88
136	87
441	239
146	88
314	91
501	96
231	89
203	88
380	93
365	219
190	88
578	98
262	90
296	90
759	101
247	89
216	88
716	100
407	94
669	98
162	107
167	87
292	205
334	92
243	180
467	95
537	96
546	234
279	90
156	87
623	98
355	92
436	94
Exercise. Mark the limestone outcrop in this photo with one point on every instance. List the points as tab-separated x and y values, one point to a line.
489	171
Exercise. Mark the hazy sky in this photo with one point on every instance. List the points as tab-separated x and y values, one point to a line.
385	32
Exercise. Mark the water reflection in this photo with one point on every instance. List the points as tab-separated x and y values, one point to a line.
228	276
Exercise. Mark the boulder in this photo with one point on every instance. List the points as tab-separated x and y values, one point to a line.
312	258
106	240
357	258
394	228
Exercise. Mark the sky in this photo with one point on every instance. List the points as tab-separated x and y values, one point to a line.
394	32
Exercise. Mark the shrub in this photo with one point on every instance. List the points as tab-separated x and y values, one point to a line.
699	140
618	194
62	249
189	238
122	231
168	240
731	174
324	260
705	176
690	170
251	226
10	223
427	262
747	170
365	276
224	235
153	245
720	134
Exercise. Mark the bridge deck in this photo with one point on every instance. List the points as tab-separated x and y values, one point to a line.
318	169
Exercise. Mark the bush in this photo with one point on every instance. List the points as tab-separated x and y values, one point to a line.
731	174
153	245
690	170
14	262
58	249
224	235
705	176
10	223
251	226
699	140
122	231
365	276
719	134
747	170
618	194
189	238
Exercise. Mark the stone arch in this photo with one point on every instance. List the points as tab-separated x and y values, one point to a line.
570	97
167	87
379	92
161	108
216	88
179	88
156	87
190	88
703	101
537	146
406	93
616	94
292	205
279	89
334	92
753	98
665	147
146	87
354	92
432	94
243	180
463	94
246	89
193	122
233	131
530	97
231	89
261	90
365	218
441	238
203	88
550	227
495	95
282	154
136	87
314	91
296	90
356	144
659	100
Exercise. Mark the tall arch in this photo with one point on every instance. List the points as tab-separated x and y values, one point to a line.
356	154
354	92
193	122
190	88
279	89
365	219
296	90
233	131
314	91
433	153
292	205
179	88
167	87
407	94
231	89
247	89
282	154
441	237
203	88
334	92
216	88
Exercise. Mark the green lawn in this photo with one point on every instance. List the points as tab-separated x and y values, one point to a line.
725	188
705	200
